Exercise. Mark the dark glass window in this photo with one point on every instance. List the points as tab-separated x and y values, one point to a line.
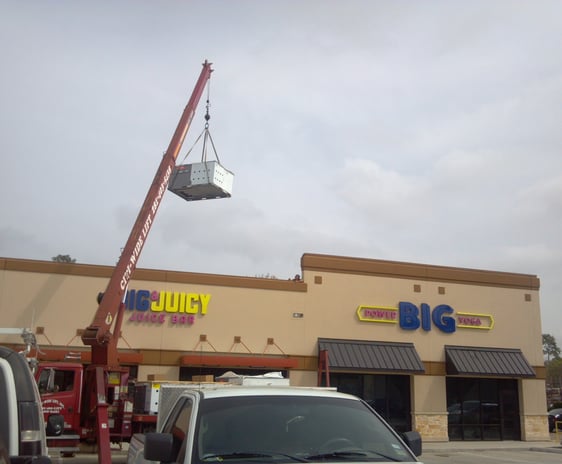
389	395
56	380
483	409
133	371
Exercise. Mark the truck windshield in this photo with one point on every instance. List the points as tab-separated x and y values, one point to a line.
293	429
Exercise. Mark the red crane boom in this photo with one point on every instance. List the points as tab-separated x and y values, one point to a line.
104	331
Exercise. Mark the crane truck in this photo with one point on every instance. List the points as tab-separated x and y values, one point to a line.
93	403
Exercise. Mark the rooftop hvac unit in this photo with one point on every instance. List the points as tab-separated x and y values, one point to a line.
270	378
201	181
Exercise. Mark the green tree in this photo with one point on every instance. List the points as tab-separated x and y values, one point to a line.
550	348
63	259
554	374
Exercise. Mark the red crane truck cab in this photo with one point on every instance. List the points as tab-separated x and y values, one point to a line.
65	399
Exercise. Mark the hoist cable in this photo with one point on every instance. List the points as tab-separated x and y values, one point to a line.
207	115
206	134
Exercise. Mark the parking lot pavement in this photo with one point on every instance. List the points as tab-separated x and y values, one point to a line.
453	452
498	452
457	446
492	456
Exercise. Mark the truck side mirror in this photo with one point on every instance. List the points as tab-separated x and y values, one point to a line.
51	381
159	447
414	442
55	425
41	460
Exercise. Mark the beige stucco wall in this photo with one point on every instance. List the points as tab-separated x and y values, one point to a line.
429	407
152	372
59	303
333	309
303	378
252	314
429	394
63	303
532	401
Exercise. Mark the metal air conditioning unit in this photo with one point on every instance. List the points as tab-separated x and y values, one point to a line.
201	181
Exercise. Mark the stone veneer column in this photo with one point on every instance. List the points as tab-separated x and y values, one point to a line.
431	426
534	428
533	416
429	407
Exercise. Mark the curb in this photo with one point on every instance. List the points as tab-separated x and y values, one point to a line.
448	448
461	450
557	449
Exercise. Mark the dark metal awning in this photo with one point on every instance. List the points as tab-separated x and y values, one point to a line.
359	355
495	362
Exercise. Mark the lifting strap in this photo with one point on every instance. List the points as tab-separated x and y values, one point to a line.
206	134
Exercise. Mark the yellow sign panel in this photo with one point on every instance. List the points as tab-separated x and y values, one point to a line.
475	321
385	314
391	315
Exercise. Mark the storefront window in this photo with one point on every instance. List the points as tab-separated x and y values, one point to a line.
389	395
483	409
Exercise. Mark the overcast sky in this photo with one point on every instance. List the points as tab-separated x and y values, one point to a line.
419	131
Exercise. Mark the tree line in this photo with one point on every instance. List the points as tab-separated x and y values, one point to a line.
553	364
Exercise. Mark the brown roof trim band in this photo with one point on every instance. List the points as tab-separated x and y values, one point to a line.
424	272
92	270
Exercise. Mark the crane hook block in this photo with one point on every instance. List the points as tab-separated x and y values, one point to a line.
201	181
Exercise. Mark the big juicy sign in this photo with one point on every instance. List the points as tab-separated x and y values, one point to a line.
157	307
412	317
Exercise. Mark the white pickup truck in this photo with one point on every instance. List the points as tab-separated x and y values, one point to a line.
22	429
272	425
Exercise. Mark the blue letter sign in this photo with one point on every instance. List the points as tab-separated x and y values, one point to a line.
412	318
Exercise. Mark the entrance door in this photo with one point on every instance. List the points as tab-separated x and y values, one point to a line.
509	407
483	409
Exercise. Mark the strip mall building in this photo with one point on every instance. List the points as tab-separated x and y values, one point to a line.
453	353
